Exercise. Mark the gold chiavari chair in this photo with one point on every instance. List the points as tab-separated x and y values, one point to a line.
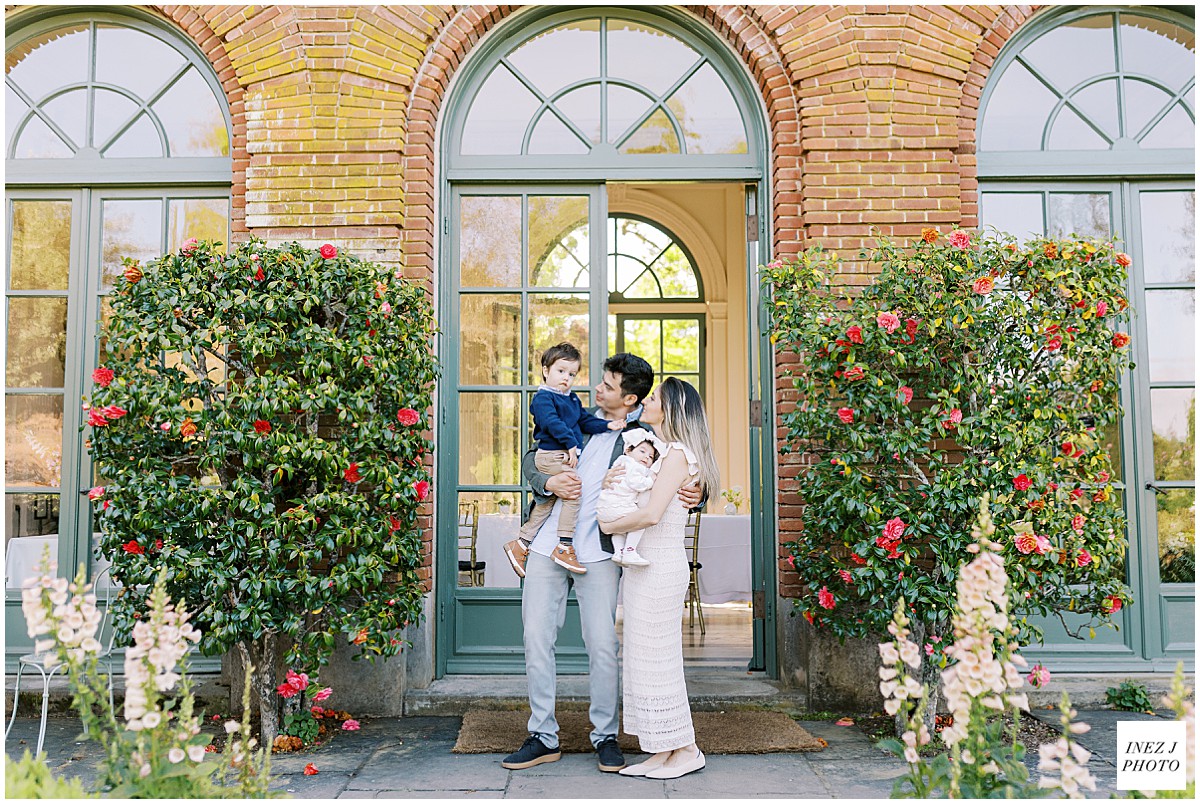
470	570
691	542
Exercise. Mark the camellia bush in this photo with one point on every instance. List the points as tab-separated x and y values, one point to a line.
972	366
258	422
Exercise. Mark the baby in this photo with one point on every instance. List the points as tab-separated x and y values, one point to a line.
630	493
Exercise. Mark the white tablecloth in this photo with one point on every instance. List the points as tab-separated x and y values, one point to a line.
724	554
24	553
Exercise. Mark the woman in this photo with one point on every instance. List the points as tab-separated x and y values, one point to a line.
655	698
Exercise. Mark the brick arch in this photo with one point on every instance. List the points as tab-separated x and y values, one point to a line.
195	27
743	29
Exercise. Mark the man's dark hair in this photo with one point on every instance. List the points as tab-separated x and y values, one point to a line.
637	377
563	351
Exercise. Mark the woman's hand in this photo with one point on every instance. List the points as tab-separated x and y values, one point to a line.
613	476
690	495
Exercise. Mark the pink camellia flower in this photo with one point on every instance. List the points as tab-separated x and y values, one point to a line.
1077	523
846	576
1083	558
953	419
855	373
1101	309
888	321
1054	344
1022	483
1026	543
310	770
351	474
323	695
165	427
1122	259
189	246
1039	676
846	415
350	725
96	493
96	418
959	239
894	529
983	285
112	412
905	394
855	334
386	308
286	690
1111	604
791	562
103	376
825	598
422	489
329	251
928	649
297	680
1102	477
316	710
407	416
1043	545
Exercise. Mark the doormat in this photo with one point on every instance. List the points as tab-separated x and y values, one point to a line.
490	731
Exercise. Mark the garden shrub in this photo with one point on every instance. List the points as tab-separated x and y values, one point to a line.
30	777
259	422
971	366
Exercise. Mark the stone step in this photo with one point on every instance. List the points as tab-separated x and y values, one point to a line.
708	690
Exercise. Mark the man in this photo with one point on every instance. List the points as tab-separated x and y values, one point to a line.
626	381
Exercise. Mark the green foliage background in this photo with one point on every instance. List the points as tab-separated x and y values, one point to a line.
1022	394
261	532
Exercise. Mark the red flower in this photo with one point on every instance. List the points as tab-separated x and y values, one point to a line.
112	412
1120	340
1102	477
158	544
407	416
1051	486
906	394
133	273
791	562
855	373
1076	493
854	334
846	576
825	598
188	428
1111	604
910	328
894	529
959	239
1083	559
102	376
808	616
857	559
929	235
422	489
984	285
1022	483
846	415
1054	344
262	426
287	690
1077	523
96	493
189	246
953	420
328	251
133	547
1101	309
96	418
1079	305
311	769
1067	448
393	524
259	275
351	474
1122	259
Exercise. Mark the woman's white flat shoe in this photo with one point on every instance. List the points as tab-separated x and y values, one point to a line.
675	771
641	769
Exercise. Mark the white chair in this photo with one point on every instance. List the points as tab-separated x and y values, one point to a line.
37	661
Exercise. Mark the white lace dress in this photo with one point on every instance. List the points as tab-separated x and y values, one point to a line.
655	698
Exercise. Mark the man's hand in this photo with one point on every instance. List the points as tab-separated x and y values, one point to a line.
613	477
565	486
689	495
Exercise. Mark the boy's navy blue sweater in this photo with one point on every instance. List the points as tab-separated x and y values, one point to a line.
559	418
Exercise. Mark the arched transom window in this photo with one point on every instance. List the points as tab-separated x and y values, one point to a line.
645	262
74	91
1119	80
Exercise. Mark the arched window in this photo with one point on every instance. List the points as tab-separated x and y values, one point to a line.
1087	127
117	145
647	262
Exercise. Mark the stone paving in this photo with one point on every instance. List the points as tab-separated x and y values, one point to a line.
410	758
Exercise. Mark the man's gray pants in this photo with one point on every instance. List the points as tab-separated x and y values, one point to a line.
543	612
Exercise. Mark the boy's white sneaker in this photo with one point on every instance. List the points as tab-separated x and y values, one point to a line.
631	558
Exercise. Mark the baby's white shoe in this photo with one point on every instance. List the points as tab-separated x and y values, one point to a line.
616	559
631	558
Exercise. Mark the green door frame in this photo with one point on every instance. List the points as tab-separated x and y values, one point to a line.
514	173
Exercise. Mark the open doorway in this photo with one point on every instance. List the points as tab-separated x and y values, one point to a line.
676	295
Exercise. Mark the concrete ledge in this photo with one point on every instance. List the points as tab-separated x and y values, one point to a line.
1087	689
708	691
210	690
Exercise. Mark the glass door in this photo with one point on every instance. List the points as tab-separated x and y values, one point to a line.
526	267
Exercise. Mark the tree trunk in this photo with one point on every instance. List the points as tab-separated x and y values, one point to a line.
262	661
929	675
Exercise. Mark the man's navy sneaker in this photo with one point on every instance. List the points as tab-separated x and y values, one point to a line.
532	752
611	758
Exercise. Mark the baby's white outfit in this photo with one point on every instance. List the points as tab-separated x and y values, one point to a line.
629	493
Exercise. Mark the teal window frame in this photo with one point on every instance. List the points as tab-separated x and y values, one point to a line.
1145	640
